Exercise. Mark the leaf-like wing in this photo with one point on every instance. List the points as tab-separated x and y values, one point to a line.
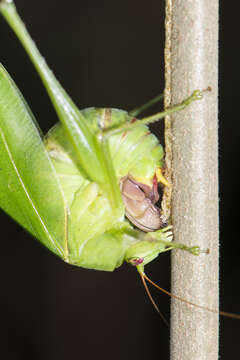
29	189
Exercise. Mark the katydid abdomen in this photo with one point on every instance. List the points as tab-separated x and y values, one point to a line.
95	237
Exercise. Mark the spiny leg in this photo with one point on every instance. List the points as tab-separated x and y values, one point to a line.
196	95
105	133
164	237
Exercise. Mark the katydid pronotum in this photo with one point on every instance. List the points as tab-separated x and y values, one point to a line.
88	186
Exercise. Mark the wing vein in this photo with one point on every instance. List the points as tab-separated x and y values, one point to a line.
53	241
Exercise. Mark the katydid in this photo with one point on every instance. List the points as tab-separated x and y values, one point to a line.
88	189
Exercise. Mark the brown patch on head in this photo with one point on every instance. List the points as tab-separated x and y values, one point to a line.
133	120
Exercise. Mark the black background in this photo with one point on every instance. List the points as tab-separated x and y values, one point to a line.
106	53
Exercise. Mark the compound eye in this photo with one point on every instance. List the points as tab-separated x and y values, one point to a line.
136	261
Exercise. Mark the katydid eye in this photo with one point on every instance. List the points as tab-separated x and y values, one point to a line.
136	261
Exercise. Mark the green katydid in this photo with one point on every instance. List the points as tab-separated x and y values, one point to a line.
88	189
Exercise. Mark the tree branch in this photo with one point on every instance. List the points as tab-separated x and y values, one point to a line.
191	63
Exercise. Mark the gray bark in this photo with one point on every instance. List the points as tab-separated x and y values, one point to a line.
191	63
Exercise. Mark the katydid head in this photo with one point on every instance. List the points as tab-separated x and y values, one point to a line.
142	252
139	200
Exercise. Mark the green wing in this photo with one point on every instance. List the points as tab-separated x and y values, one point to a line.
29	188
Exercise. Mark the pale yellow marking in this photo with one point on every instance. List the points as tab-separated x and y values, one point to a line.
161	178
107	117
144	180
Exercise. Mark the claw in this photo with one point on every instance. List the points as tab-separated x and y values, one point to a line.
161	178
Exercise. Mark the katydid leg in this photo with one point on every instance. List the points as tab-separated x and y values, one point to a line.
196	95
76	126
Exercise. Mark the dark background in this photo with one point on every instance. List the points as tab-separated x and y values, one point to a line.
106	53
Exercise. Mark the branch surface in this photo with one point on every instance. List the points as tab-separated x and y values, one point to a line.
191	57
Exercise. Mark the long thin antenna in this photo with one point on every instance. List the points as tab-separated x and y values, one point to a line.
223	313
151	299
